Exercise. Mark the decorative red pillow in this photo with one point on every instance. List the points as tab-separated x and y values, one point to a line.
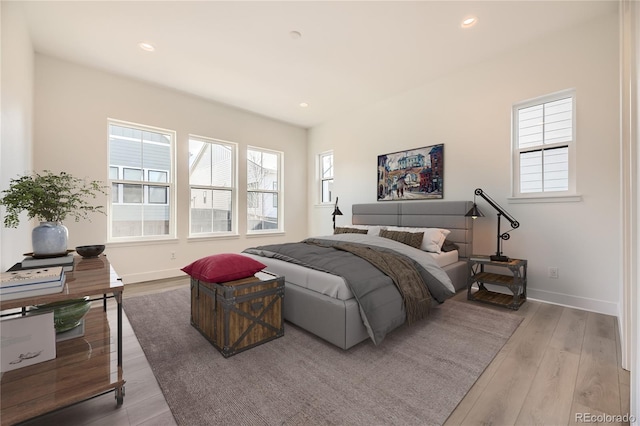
220	268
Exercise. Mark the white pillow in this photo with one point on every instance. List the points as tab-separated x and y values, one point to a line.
431	241
373	229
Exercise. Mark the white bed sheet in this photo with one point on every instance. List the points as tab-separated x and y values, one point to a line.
312	279
445	258
325	283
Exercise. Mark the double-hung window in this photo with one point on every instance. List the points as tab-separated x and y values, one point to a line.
141	174
544	146
212	182
325	163
264	190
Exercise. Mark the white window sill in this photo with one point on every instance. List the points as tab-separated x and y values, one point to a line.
545	199
265	234
211	237
141	242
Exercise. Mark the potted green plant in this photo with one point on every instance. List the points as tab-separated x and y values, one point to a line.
50	198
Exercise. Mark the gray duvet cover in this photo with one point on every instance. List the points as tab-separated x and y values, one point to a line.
380	302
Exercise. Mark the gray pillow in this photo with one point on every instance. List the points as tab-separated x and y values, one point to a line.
449	246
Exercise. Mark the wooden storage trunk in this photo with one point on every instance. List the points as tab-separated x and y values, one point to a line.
238	315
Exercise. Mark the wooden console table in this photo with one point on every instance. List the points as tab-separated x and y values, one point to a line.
85	366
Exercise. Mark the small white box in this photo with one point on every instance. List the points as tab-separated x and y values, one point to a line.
26	341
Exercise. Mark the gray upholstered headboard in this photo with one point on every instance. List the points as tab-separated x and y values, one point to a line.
426	214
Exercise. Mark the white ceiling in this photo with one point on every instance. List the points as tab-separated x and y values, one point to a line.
351	53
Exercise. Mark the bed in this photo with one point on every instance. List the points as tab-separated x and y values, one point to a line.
322	304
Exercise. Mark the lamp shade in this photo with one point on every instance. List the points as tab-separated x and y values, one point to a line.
474	212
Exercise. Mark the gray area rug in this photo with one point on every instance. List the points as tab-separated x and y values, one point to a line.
416	376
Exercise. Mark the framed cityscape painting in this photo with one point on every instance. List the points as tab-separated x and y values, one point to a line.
414	174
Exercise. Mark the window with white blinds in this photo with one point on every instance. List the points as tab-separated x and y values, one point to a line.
543	145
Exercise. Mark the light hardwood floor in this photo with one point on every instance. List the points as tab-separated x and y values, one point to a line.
560	363
560	366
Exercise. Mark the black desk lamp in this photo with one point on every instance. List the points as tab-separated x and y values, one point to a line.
336	212
475	212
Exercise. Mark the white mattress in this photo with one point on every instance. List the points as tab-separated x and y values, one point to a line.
325	283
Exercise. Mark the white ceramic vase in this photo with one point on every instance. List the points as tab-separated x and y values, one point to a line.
49	239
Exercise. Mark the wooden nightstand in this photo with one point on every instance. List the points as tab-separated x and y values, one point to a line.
515	280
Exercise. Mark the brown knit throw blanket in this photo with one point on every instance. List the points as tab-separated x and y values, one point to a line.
416	296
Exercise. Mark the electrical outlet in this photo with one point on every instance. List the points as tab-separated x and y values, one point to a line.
173	255
553	272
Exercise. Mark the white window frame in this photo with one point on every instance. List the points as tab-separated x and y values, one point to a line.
322	178
170	185
277	189
233	188
571	193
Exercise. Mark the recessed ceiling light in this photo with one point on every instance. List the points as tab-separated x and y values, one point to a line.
146	46
303	104
469	22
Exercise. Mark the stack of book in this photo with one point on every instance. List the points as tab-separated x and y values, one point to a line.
65	261
31	282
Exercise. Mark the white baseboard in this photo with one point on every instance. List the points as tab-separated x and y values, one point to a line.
577	302
151	276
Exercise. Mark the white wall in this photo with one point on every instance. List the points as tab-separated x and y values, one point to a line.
72	105
470	112
16	100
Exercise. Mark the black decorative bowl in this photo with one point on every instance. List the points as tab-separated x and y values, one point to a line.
90	251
